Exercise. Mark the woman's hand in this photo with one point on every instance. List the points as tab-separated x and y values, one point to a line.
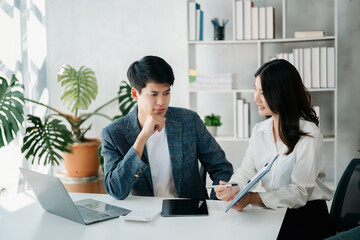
226	193
249	198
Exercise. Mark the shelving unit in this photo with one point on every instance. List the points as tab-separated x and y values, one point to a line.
244	57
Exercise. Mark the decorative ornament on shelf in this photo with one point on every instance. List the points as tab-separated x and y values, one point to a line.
212	122
219	30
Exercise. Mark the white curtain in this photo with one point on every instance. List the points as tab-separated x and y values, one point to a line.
23	52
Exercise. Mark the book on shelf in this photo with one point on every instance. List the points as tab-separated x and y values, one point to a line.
270	27
285	56
323	66
239	14
247	19
331	67
308	34
301	62
307	67
296	58
210	81
315	67
192	75
246	119
243	118
199	24
291	58
262	23
254	23
193	6
240	117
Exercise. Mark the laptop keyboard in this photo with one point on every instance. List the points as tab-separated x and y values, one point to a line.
90	215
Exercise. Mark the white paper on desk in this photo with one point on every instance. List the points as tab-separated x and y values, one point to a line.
251	183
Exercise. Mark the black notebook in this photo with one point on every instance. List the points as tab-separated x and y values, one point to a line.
184	207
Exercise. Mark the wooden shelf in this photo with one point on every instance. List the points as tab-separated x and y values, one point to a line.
256	41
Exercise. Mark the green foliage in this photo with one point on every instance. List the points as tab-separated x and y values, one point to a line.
126	102
212	120
80	87
46	140
11	109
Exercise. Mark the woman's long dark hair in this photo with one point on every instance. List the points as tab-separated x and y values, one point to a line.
287	96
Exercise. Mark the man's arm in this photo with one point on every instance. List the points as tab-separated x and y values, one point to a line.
211	156
121	170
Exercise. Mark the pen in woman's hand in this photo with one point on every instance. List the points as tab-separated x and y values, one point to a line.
225	185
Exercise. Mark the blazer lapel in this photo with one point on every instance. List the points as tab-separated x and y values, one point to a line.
132	133
174	138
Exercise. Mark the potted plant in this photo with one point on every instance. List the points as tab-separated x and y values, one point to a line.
212	122
45	140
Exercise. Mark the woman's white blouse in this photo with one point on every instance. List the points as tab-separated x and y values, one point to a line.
293	179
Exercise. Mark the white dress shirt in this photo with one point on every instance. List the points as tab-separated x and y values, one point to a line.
160	165
293	179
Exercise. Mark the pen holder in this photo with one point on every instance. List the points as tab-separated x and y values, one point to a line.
219	32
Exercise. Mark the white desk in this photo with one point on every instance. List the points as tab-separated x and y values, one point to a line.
23	218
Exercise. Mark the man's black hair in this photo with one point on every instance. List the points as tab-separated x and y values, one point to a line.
150	69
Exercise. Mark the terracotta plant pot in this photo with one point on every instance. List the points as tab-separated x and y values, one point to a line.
83	161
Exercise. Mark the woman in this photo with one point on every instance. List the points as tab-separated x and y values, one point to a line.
296	179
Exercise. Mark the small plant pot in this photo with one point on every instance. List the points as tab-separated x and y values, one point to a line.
84	159
212	130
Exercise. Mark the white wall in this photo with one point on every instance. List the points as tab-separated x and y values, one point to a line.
108	36
348	83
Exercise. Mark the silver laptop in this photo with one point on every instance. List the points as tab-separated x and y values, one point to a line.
54	198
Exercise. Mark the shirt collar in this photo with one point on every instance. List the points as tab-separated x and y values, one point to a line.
266	126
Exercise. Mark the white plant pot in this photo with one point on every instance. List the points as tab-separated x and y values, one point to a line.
212	130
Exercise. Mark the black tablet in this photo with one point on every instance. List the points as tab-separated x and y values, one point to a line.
184	207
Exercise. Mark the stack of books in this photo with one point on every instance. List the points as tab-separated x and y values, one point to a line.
315	65
243	118
253	22
309	34
196	22
210	81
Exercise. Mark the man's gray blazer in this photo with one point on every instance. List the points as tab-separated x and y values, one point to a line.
188	142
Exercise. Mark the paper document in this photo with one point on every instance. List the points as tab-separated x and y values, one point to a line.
251	183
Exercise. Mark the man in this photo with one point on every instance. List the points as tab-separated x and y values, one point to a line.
154	150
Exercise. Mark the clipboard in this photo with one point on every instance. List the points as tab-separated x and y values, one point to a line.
251	183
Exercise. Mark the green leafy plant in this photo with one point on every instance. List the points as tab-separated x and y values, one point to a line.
11	109
45	139
212	120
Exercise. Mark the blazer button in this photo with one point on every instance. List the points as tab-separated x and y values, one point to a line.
136	176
